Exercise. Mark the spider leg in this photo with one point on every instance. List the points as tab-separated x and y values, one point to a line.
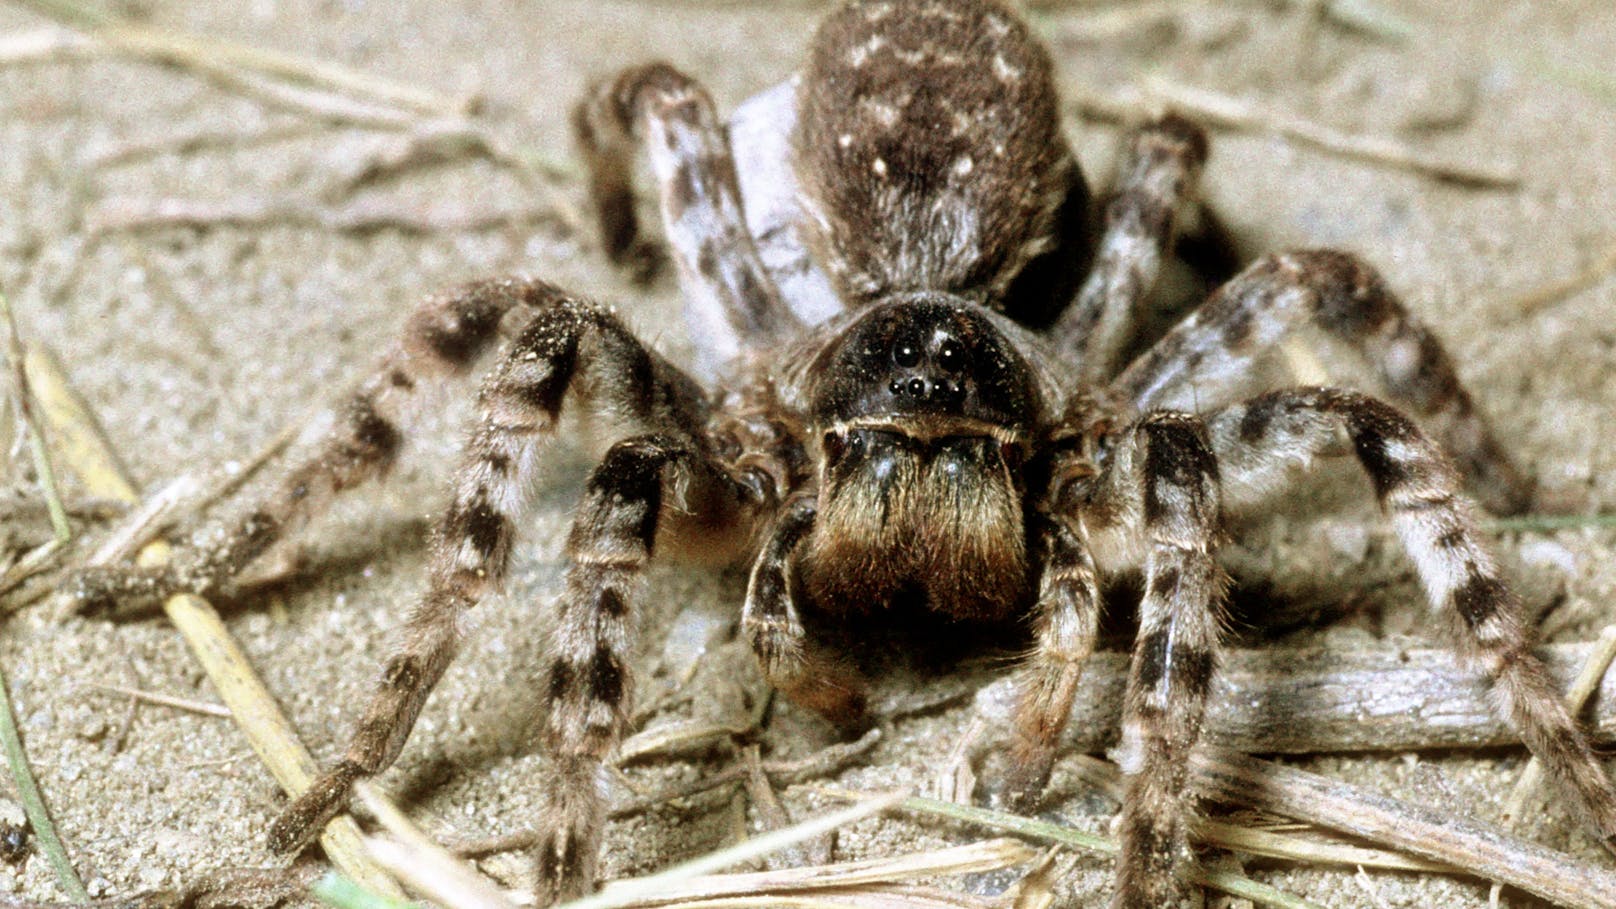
1203	361
1160	504
1259	440
1067	623
568	347
731	299
791	663
1158	181
444	337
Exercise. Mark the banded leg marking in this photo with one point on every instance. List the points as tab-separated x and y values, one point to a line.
1419	490
1159	179
1068	617
1165	483
566	345
1204	361
445	337
731	297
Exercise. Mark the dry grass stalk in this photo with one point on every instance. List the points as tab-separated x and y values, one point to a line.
142	524
423	864
129	215
164	700
629	893
1233	113
251	705
676	739
988	855
1254	839
821	763
1223	881
34	561
1555	291
1466	845
327	91
201	52
22	399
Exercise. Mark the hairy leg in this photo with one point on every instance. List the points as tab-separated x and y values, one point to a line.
445	337
1160	504
1067	623
1259	441
1207	359
731	298
791	663
569	345
1158	181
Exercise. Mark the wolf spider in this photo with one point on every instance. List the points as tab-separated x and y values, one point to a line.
906	411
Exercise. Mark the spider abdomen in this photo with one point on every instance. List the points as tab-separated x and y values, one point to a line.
917	172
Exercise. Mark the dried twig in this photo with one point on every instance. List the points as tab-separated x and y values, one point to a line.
209	53
820	763
195	142
227	667
33	562
1555	291
33	802
774	815
1253	839
1465	844
628	893
422	863
23	398
1314	700
1233	113
988	855
1233	884
120	215
165	700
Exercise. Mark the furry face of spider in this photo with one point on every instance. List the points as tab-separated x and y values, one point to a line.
898	397
924	412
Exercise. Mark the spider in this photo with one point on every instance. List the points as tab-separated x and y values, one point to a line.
894	404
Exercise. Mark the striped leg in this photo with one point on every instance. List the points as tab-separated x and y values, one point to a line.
1158	181
1068	619
569	345
1162	501
445	337
589	681
1206	360
1256	442
732	301
801	671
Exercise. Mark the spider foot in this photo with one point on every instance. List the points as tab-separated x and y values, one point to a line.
1007	784
571	825
306	817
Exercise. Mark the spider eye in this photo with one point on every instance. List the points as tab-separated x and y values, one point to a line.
906	354
951	356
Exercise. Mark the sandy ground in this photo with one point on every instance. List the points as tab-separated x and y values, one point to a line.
197	345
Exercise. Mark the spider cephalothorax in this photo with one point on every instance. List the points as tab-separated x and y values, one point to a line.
925	414
889	421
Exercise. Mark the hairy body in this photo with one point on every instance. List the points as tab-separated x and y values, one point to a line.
888	406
